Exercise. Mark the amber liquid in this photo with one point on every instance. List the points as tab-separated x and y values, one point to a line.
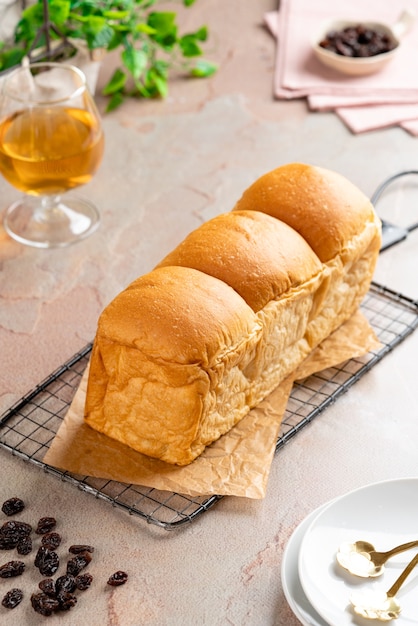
50	150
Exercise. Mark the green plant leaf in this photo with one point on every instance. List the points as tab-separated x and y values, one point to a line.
188	3
145	4
116	41
94	24
189	47
164	22
142	90
116	83
10	58
202	33
161	85
27	27
161	67
115	101
203	69
59	11
98	38
135	61
156	84
165	27
145	28
113	14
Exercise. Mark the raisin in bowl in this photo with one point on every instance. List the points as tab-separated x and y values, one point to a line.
360	48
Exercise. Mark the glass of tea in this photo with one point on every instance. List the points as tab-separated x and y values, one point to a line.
51	141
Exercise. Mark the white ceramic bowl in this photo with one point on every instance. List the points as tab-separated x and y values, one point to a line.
358	66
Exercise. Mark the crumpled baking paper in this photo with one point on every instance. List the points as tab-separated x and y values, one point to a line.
237	464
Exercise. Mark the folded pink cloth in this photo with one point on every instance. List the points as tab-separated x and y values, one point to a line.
411	126
359	119
387	98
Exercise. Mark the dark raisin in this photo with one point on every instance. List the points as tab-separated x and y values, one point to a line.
39	556
51	541
12	528
47	561
50	565
77	563
44	604
8	543
65	583
12	533
45	525
11	569
118	578
12	506
24	546
47	585
12	598
83	581
77	548
66	600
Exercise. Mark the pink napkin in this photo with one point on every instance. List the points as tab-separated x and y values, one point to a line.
364	103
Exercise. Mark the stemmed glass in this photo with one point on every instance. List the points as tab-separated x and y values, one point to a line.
51	140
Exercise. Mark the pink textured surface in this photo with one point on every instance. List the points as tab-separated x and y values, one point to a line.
168	166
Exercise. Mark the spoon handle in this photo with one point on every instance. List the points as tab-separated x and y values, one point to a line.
400	581
402	548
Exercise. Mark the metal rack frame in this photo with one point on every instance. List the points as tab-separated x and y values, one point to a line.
28	428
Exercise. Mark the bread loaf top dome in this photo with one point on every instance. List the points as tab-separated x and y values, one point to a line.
320	204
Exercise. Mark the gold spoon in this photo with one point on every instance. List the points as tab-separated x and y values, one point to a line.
362	559
375	604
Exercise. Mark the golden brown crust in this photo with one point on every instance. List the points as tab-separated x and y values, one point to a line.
321	205
256	254
178	315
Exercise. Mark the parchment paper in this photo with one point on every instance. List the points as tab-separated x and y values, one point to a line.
237	464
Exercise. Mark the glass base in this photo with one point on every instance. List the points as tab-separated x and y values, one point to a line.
51	222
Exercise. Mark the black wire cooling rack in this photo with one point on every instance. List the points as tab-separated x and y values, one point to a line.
28	428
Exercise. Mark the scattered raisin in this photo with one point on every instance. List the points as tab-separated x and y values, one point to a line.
65	583
11	533
50	564
11	569
8	543
77	548
12	506
44	604
24	546
118	578
77	563
39	555
51	540
47	561
83	581
12	598
47	585
66	600
45	525
12	528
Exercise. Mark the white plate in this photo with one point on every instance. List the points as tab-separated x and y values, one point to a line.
292	588
385	514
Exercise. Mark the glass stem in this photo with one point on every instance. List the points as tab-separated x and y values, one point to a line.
49	209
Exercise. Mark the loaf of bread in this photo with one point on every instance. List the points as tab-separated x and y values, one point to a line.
187	350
